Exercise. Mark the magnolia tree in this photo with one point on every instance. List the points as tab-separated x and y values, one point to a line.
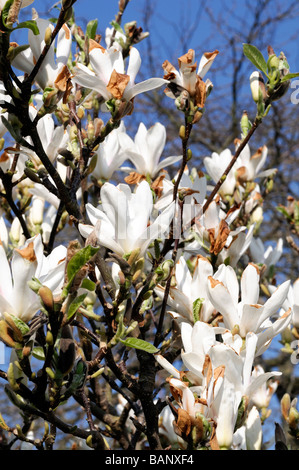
133	286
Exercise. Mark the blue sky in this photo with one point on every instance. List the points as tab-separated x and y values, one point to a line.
176	21
173	20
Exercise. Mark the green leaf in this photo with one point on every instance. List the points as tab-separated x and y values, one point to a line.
255	56
91	29
75	304
289	76
139	344
38	353
79	260
117	27
30	24
88	284
284	212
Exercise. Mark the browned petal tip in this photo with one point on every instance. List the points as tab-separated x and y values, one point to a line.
27	252
117	84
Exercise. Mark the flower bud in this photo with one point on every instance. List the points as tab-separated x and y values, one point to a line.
273	62
47	297
48	36
293	418
245	124
285	405
257	86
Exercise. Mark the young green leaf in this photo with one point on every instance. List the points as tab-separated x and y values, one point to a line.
289	76
75	304
255	56
139	344
30	24
79	260
117	27
88	284
91	29
38	353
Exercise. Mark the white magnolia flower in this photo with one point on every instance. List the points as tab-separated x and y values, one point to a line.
262	396
188	290
268	256
122	222
247	167
247	314
213	227
108	76
189	77
236	245
216	164
291	302
16	298
109	155
250	166
146	149
56	58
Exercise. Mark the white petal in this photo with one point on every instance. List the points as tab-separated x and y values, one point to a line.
250	285
142	87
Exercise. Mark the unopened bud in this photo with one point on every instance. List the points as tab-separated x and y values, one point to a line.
245	124
293	418
47	297
285	405
48	36
273	62
49	338
257	86
182	132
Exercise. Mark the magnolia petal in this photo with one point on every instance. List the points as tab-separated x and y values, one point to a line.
206	62
167	366
265	337
142	87
251	342
117	84
250	318
87	79
250	289
178	302
253	430
220	297
166	162
183	277
259	381
274	303
134	64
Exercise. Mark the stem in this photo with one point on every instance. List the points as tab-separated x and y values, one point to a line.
7	183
